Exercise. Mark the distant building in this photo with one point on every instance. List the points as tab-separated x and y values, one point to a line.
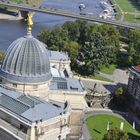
134	87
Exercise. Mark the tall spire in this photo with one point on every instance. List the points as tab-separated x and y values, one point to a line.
30	22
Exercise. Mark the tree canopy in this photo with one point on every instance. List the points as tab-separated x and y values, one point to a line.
91	46
1	56
116	134
134	47
94	53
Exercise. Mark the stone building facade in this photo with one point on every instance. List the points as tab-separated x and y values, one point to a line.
28	118
134	88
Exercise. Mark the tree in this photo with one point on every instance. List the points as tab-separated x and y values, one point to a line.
60	38
55	39
83	26
120	100
90	46
119	91
111	38
73	50
77	31
116	134
73	30
46	37
1	56
93	54
134	47
111	34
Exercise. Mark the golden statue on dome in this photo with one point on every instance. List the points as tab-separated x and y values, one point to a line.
30	22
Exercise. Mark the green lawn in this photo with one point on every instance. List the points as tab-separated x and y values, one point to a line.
118	12
97	77
97	125
18	1
108	70
133	18
126	5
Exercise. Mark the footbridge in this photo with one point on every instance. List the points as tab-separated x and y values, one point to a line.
59	12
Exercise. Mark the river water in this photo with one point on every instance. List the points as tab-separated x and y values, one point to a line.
11	30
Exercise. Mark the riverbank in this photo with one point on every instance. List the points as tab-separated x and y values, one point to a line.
8	17
9	14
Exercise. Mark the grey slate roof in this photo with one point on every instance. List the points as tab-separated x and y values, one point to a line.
66	84
29	108
26	60
56	55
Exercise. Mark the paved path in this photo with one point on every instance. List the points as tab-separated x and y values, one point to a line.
100	86
119	76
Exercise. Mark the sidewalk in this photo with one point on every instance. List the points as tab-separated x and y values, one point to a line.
93	80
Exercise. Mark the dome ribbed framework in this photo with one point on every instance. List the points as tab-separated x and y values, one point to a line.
26	60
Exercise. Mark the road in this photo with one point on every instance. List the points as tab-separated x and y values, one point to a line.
60	12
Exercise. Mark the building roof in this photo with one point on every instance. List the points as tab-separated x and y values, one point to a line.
55	72
137	68
56	55
66	84
26	60
28	107
58	73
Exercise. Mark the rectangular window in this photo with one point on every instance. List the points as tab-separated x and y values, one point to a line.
23	128
14	85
